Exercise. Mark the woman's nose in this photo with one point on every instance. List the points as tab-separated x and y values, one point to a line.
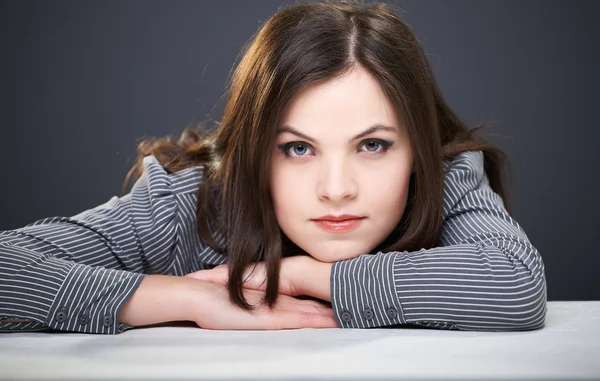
336	181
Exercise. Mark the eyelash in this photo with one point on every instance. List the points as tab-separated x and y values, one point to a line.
385	145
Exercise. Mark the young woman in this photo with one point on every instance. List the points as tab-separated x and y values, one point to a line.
339	190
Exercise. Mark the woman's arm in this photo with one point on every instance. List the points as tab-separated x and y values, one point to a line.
485	275
75	273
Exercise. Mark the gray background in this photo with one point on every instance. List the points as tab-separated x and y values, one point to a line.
82	82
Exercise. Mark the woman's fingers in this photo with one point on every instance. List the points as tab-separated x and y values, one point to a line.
290	312
215	311
282	319
309	306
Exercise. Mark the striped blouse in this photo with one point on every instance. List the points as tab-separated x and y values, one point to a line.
75	273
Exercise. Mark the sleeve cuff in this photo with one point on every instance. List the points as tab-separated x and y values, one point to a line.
90	300
363	292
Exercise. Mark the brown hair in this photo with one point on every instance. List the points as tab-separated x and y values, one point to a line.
302	45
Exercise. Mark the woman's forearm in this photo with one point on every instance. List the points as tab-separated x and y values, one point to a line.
158	299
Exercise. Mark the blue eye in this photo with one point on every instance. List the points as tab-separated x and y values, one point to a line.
294	149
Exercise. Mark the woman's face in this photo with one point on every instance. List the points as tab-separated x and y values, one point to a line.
341	150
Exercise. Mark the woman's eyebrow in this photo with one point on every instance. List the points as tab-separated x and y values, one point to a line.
368	131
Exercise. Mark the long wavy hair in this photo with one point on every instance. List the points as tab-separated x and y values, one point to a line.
304	44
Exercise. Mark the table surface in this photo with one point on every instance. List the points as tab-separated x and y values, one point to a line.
568	347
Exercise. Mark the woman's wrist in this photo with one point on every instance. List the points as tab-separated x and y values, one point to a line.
312	278
159	299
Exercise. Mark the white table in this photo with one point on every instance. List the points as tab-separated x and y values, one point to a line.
567	348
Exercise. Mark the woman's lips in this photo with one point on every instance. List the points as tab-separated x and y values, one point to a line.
343	226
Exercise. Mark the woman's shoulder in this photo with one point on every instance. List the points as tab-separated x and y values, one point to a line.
466	162
462	175
176	194
185	181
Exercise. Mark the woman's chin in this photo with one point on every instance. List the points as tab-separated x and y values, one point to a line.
334	255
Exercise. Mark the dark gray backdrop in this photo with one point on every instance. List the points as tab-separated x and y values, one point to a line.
82	81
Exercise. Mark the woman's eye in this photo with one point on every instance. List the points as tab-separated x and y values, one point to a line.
295	149
376	146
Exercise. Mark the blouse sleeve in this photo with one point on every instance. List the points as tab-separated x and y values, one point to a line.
75	273
484	275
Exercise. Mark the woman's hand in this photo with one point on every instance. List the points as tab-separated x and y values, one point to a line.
299	275
255	275
212	309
